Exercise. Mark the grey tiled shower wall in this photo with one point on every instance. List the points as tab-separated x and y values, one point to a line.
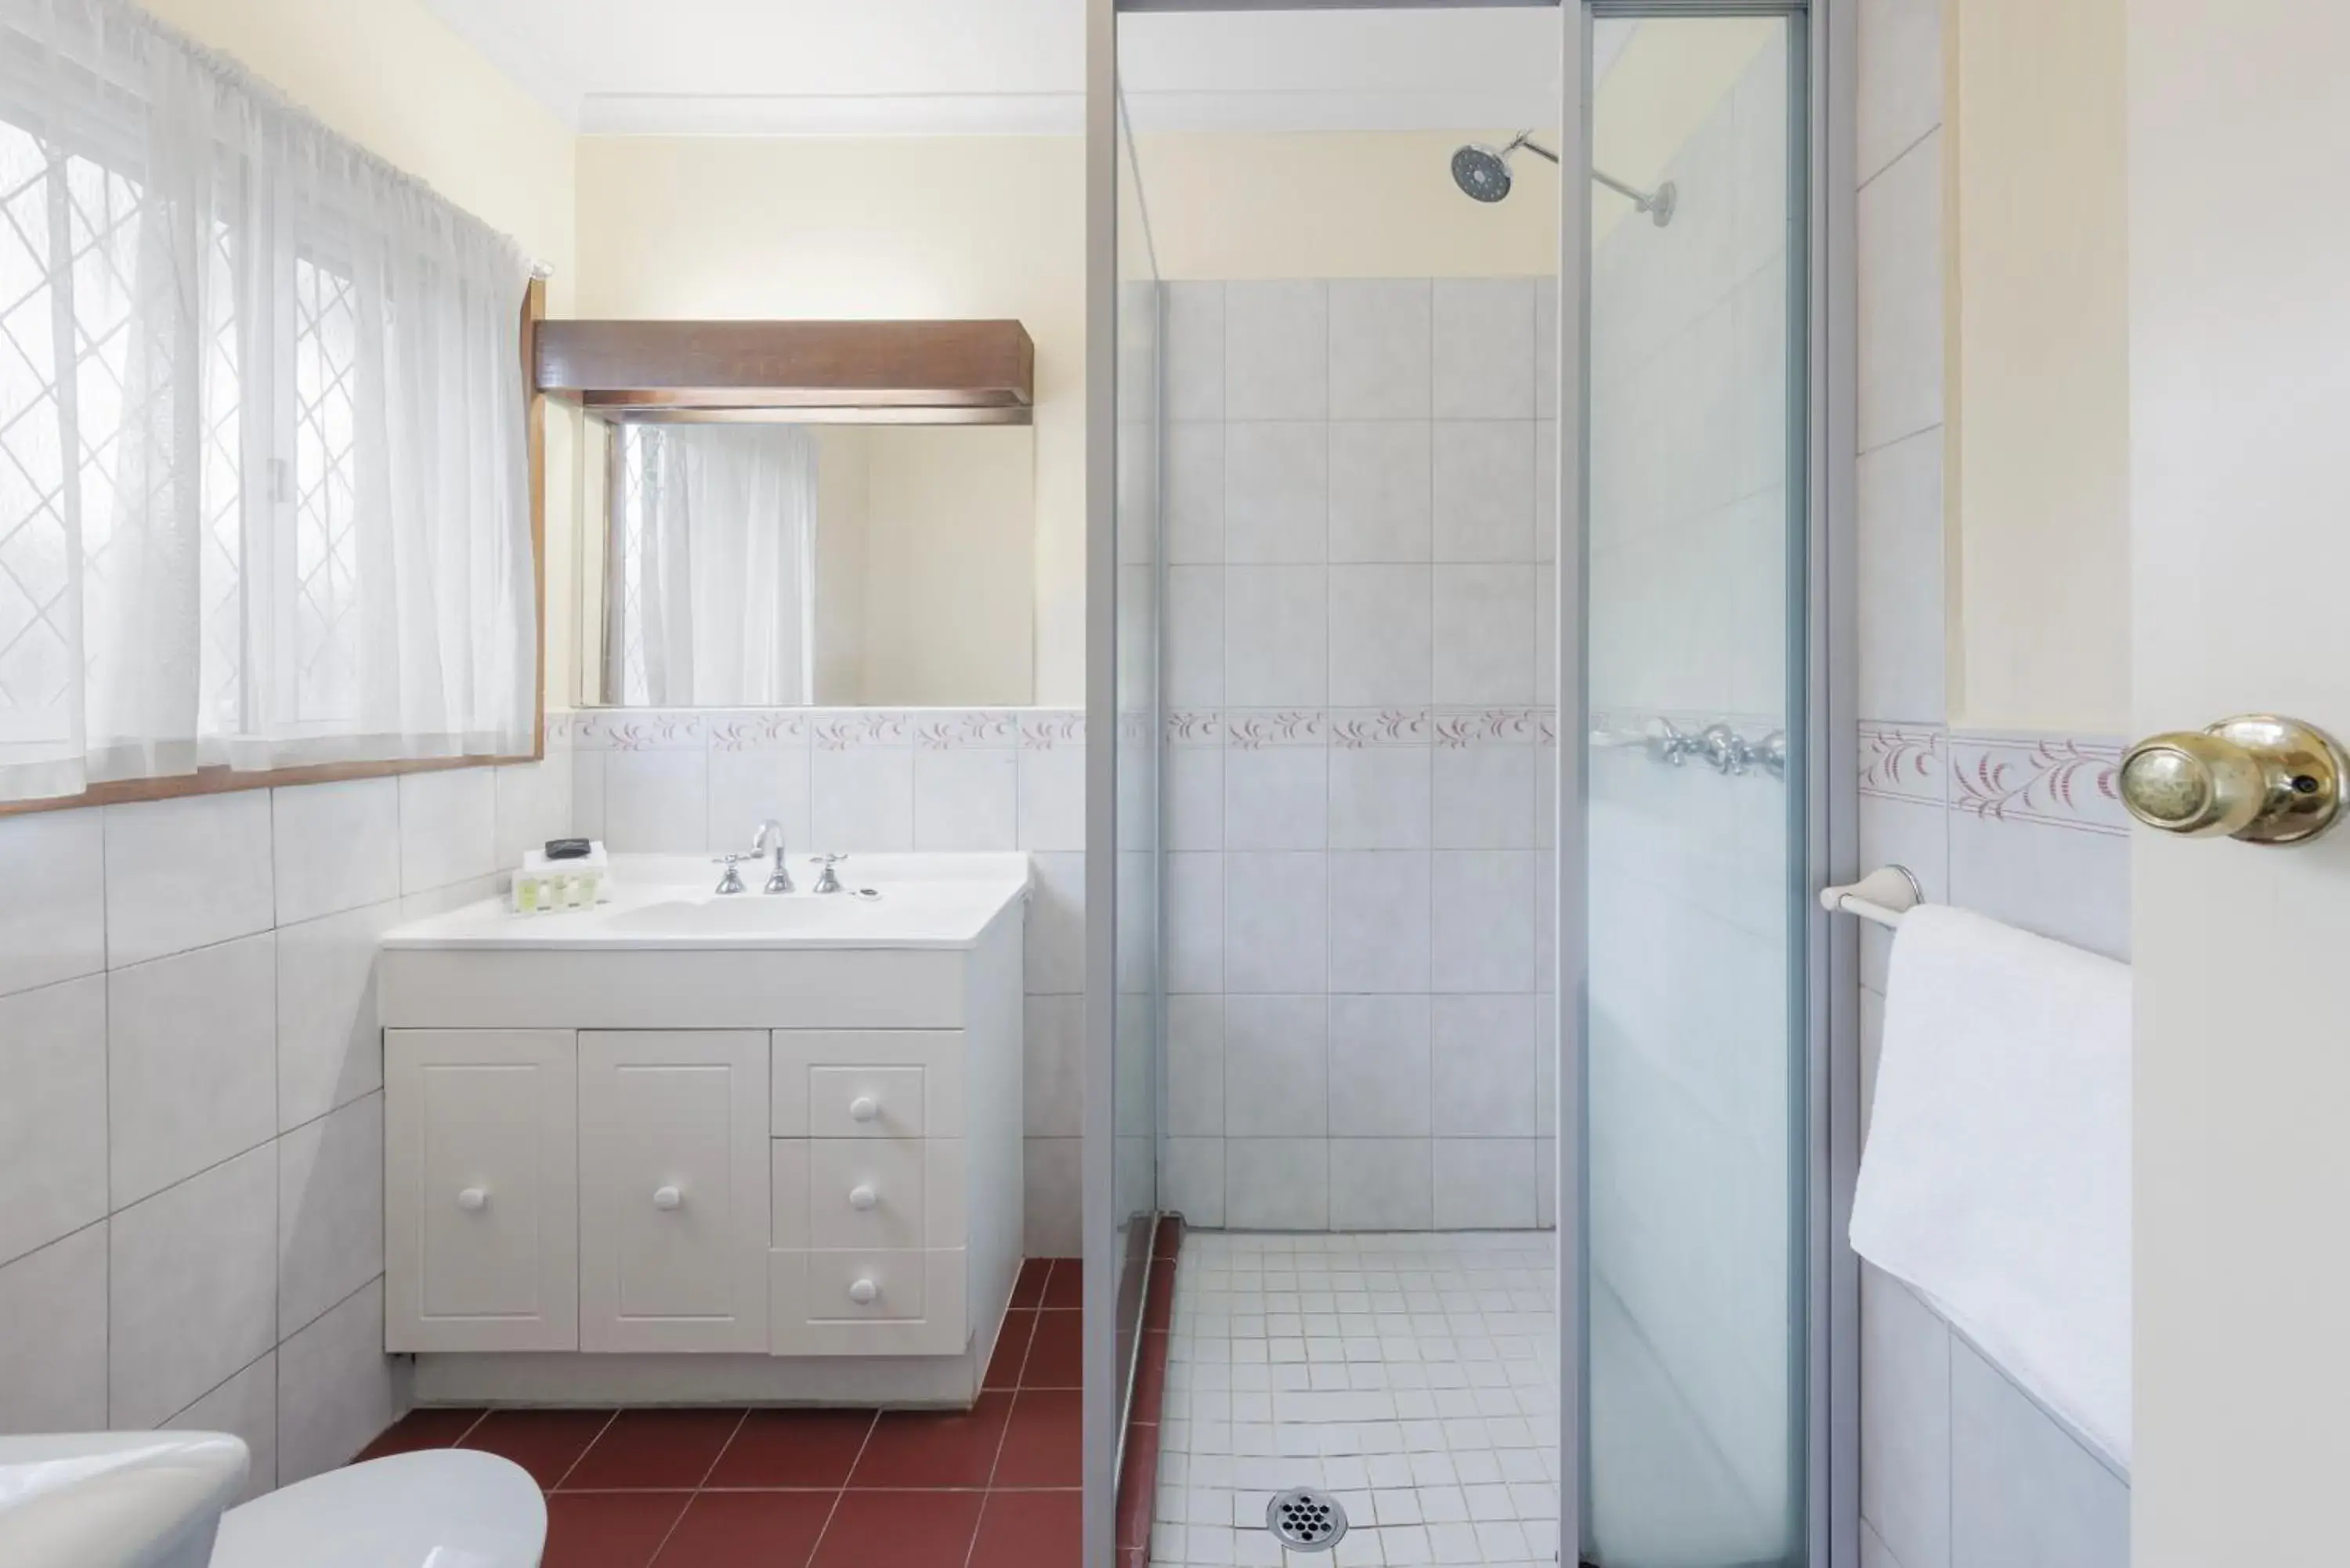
1361	750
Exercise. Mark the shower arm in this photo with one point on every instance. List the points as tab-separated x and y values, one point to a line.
1658	203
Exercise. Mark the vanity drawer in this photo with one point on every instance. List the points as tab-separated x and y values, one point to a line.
867	1083
914	1302
858	1192
891	1280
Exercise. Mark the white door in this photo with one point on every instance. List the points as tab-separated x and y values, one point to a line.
480	1196
673	1191
2239	130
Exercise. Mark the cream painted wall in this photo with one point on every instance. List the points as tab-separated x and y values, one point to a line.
2039	367
948	577
390	76
871	228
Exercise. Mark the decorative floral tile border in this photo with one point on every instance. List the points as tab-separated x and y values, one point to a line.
1904	762
1252	729
2061	781
827	728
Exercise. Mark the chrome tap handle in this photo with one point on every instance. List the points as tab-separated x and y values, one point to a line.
771	834
827	881
732	881
1772	753
1725	749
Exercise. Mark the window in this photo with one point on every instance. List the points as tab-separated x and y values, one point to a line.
263	469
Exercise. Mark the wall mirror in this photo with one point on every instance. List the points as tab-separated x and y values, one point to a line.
801	514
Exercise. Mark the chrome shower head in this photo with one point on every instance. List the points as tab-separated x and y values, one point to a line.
1482	172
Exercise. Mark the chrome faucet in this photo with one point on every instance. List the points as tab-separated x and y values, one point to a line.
770	836
732	881
827	882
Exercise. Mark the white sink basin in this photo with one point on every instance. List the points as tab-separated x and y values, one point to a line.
116	1499
668	902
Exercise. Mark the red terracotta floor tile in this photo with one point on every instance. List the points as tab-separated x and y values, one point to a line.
1029	1529
609	1529
1011	1350
748	1529
1028	1290
1044	1443
546	1443
899	1530
793	1448
428	1428
1066	1285
934	1448
654	1448
1057	1356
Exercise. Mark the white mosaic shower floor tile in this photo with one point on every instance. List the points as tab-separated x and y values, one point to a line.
1413	1376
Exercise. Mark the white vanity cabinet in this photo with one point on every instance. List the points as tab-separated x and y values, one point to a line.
766	1170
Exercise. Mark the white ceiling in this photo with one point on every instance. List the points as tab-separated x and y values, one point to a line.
903	66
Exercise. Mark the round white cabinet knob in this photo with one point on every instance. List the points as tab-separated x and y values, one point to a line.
864	1292
473	1199
862	1197
864	1108
667	1198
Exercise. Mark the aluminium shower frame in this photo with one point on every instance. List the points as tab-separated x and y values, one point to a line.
1825	808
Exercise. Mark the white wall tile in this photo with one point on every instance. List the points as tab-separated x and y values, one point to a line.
1872	1050
1381	653
1194	948
754	785
53	1355
1901	86
1484	353
1484	634
1900	580
2024	1493
1484	489
1378	1066
1873	1552
336	846
1485	1184
1191	1179
1053	798
1546	377
1195	636
1054	1196
1277	350
1481	939
1900	287
531	804
245	1405
1276	798
967	800
1381	491
448	828
1055	947
1482	1067
1276	637
1905	1415
1381	1184
1053	1072
658	802
860	798
2060	882
1193	778
191	1063
1277	1183
52	898
1379	797
1195	1066
185	873
1276	492
1380	336
1484	797
192	1288
1380	938
329	1211
1195	493
335	1387
1276	1065
1195	350
330	1045
1276	922
1546	1183
52	1171
587	793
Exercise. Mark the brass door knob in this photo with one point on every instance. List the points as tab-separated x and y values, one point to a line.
2256	777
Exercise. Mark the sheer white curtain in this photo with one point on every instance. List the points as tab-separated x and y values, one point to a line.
713	583
264	487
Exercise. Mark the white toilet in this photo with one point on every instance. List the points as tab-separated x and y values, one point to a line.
156	1499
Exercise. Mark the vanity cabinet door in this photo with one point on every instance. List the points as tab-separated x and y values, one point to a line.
480	1196
673	1190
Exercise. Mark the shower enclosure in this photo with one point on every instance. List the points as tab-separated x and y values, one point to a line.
1467	567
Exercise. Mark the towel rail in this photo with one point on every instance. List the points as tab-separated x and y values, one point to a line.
1882	897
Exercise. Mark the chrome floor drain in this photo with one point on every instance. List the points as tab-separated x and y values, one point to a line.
1305	1521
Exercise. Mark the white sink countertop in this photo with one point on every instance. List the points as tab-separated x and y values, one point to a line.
669	902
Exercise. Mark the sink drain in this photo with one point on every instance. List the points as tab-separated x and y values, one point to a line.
1305	1521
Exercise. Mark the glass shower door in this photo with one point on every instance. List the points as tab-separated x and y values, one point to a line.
1695	1057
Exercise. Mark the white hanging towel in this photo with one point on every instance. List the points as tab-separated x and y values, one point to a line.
1996	1177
